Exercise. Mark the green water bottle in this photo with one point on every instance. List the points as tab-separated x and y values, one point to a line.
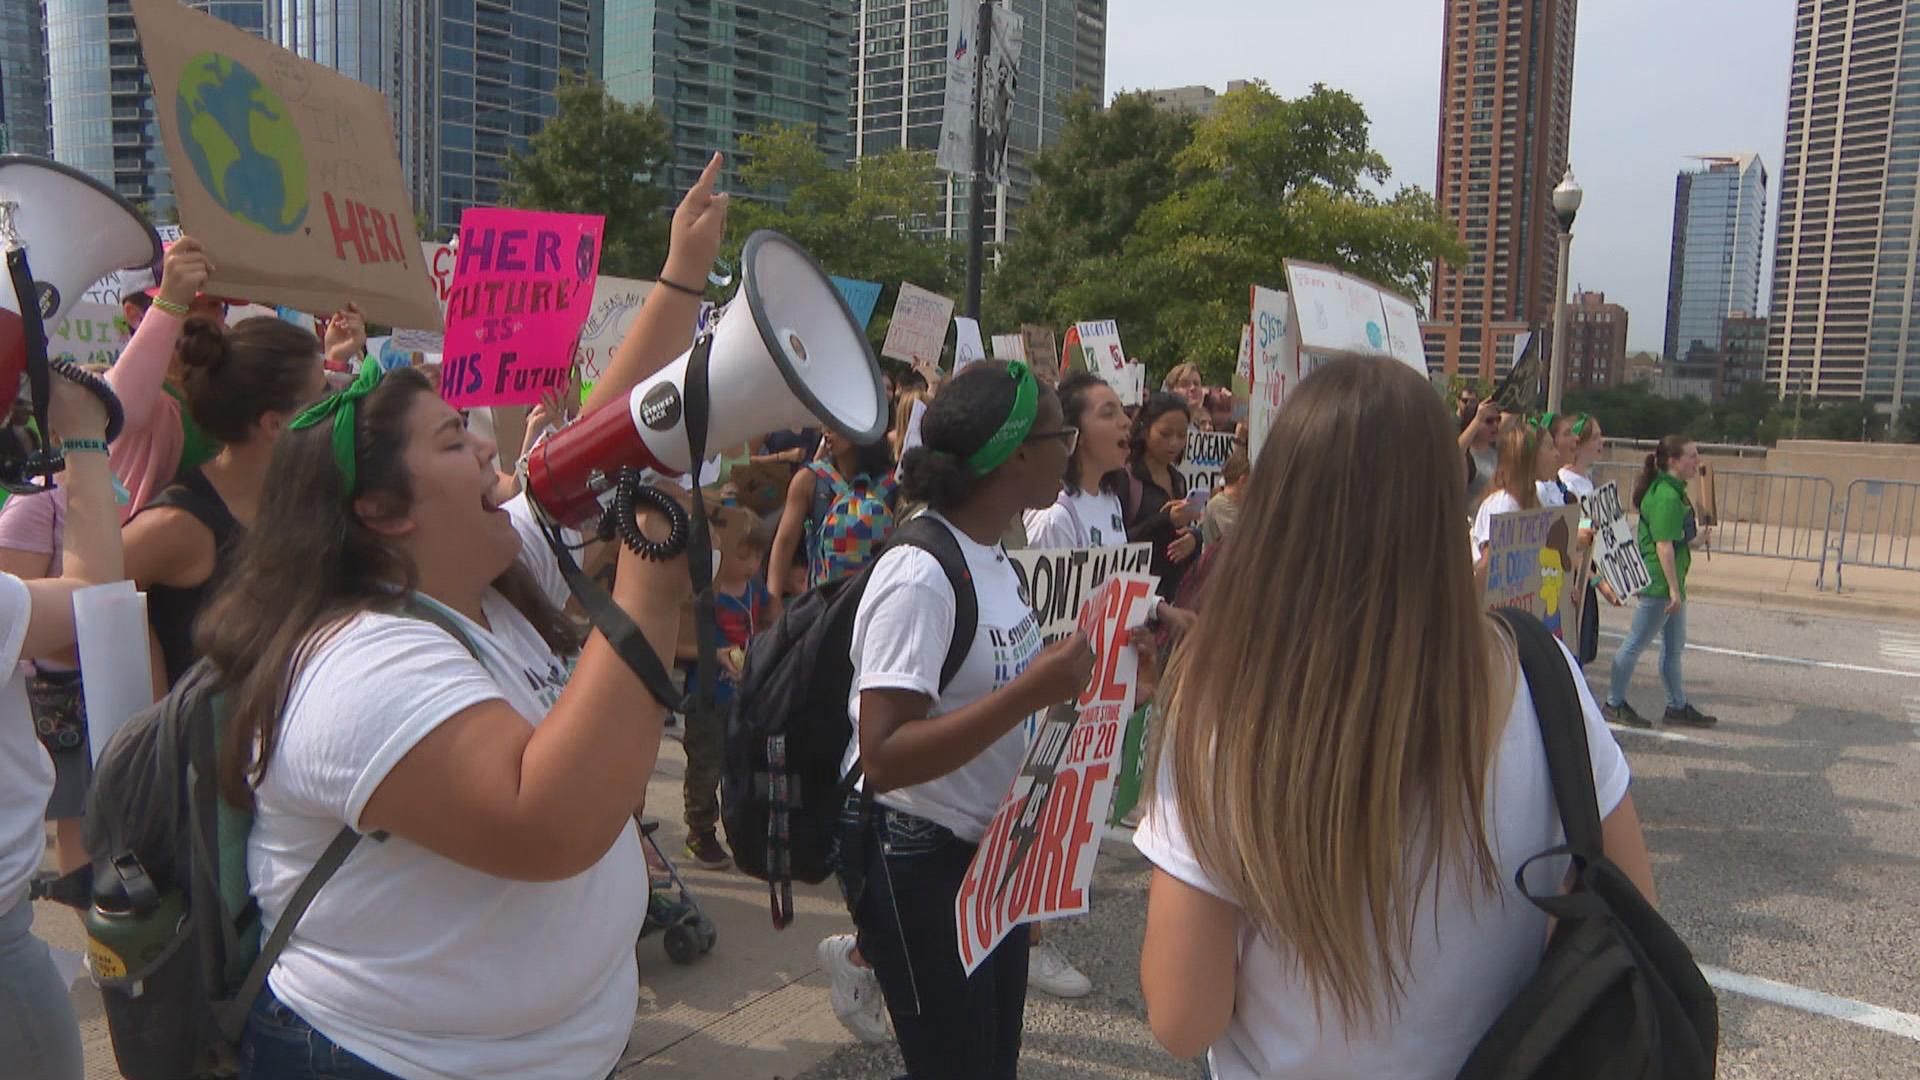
123	939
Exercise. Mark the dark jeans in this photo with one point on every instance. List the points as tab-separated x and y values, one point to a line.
278	1045
949	1026
705	744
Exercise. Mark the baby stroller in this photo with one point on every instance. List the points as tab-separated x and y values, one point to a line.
671	909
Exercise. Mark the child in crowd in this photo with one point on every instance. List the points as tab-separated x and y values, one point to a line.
1224	508
740	606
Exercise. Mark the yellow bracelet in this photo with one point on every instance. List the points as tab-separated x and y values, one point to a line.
177	310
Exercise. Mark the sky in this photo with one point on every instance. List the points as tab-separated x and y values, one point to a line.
1654	82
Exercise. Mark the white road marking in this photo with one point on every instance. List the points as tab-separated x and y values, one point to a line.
1901	648
1657	733
1892	1021
1795	661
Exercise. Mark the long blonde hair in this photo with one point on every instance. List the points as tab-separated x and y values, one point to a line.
1517	468
1331	730
902	416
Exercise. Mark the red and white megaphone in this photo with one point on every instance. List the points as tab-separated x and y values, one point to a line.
75	231
787	353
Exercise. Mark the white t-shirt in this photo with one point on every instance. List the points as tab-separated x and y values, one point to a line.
429	969
900	638
1470	954
1496	502
1581	486
1083	519
26	772
1550	493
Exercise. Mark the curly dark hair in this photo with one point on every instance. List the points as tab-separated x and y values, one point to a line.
958	422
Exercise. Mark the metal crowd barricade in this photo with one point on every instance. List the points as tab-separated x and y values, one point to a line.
1877	526
1767	515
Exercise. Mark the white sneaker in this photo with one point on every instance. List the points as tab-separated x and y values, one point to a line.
1048	969
856	991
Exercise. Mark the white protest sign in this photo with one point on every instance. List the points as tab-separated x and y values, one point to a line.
616	301
1614	548
1009	347
1059	580
1341	315
1100	343
967	346
912	438
88	333
918	330
440	260
1036	859
1206	459
1275	363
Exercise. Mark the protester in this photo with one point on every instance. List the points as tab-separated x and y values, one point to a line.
903	420
1589	442
938	761
740	606
39	1035
1186	382
1086	512
1526	459
1218	409
243	386
841	506
1557	430
1668	532
1155	494
158	438
133	308
1336	829
1479	428
1223	510
1577	477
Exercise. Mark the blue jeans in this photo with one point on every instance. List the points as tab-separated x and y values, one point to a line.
1648	619
278	1045
39	1037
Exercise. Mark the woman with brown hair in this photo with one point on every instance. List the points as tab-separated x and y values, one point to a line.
1335	830
1527	459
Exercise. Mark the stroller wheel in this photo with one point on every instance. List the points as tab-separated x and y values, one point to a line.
683	944
709	934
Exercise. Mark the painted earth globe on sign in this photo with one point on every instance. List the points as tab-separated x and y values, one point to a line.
242	143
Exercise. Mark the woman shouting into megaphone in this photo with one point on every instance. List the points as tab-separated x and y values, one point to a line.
398	666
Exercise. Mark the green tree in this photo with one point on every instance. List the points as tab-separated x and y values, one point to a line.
597	156
869	220
1907	426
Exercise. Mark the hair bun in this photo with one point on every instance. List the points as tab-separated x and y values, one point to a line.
203	344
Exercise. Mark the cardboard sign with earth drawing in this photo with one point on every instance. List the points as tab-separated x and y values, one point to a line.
286	171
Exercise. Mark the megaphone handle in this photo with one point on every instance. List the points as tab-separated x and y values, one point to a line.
33	333
700	546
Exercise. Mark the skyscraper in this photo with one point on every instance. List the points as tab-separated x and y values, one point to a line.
23	78
1506	95
1844	318
720	71
900	72
1719	224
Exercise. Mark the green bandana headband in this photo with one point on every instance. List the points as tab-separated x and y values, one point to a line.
1013	431
1545	421
1580	423
343	409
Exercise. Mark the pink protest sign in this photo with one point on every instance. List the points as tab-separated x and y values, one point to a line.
522	286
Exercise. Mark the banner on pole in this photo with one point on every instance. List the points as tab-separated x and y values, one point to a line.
1036	859
285	170
1615	551
523	284
918	330
1531	565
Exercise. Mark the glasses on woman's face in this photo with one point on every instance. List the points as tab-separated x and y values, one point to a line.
1068	435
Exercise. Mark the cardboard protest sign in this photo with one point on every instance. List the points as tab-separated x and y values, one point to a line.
1041	348
1342	315
1531	565
1274	363
1036	859
1010	347
285	170
1206	459
919	327
1615	552
1100	342
616	301
1059	580
967	346
521	290
861	296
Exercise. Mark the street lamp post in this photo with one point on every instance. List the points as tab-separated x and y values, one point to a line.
1566	203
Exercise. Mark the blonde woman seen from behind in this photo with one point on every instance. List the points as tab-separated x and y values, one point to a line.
1339	828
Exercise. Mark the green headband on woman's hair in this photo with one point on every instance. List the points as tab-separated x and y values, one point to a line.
1545	421
344	410
1014	429
1580	423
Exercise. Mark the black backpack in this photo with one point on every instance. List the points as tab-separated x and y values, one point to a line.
781	792
1618	994
158	831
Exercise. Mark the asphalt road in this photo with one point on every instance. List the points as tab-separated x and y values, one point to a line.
1786	846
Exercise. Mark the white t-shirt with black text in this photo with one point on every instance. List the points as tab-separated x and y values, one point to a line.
427	968
26	772
1470	953
900	638
1581	486
1498	501
1077	519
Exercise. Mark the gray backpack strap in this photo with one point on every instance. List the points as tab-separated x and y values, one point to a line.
233	1016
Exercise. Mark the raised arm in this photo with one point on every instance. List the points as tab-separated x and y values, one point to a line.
92	538
136	377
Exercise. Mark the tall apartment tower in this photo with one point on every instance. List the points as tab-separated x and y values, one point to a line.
718	71
900	72
1506	98
23	78
1844	322
1719	225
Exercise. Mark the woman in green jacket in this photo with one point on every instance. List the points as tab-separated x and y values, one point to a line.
1667	534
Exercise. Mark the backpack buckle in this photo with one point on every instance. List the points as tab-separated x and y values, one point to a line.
140	891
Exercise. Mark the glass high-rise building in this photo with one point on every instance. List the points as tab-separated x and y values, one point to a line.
1845	312
900	88
23	78
1719	225
101	107
718	70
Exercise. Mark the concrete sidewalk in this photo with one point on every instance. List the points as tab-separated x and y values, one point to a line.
1784	585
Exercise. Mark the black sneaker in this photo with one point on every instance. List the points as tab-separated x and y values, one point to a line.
1623	714
706	849
1689	716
